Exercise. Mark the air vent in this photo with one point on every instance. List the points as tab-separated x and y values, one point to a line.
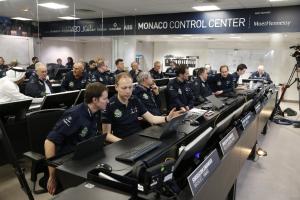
85	11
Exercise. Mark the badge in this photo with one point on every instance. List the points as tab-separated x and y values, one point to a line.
134	110
219	83
118	113
227	82
68	120
71	84
179	91
84	132
145	96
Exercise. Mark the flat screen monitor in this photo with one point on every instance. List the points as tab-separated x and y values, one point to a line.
15	107
60	100
238	112
80	97
248	105
60	73
161	82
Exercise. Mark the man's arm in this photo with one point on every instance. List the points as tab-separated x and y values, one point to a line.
106	128
50	152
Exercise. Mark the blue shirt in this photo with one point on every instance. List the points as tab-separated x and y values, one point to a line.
179	94
105	78
219	82
123	119
70	83
201	90
148	98
77	124
156	74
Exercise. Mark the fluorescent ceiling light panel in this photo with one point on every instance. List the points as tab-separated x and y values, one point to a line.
68	18
21	18
276	0
53	5
206	8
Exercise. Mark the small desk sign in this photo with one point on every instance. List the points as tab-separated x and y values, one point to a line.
228	141
246	120
198	177
257	107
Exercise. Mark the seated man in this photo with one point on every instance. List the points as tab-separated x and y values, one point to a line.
200	86
3	67
121	117
135	71
170	72
31	68
240	70
76	79
103	75
120	66
77	124
261	74
92	67
148	93
179	90
222	83
155	71
38	85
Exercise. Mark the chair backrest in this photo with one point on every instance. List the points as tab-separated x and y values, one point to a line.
39	124
13	108
163	99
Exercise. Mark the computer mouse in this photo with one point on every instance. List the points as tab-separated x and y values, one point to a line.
194	123
104	166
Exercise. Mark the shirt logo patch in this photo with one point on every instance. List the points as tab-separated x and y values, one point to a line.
68	120
227	82
219	83
179	91
71	84
100	79
84	132
118	113
145	96
196	83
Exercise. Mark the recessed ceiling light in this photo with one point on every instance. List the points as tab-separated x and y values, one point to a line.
53	5
68	18
2	0
276	0
26	10
22	18
206	8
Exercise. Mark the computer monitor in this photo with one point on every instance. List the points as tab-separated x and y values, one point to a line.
248	105
161	82
60	100
111	90
224	124
60	72
15	107
184	163
237	113
80	97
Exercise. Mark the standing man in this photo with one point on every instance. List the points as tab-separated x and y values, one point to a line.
156	71
261	74
76	79
120	66
240	70
180	94
134	72
38	85
200	87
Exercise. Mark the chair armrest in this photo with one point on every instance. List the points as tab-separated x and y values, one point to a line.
34	156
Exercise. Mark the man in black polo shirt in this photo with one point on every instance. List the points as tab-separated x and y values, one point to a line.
103	75
240	70
222	83
120	66
134	72
179	90
76	79
121	117
77	124
156	71
148	93
170	72
200	86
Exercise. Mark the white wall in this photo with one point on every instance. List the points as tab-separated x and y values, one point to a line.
147	50
101	49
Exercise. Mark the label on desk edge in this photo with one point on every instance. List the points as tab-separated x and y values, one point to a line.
257	107
198	177
228	141
246	120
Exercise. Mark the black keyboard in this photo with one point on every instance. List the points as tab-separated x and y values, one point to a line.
229	101
192	116
138	151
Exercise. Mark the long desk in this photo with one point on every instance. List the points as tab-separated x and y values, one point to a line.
219	184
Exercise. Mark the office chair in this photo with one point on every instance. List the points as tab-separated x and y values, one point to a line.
163	99
39	124
9	152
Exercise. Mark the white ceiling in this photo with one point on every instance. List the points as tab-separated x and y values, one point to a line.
116	8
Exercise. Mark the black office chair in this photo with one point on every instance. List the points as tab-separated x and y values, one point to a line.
39	124
10	154
163	99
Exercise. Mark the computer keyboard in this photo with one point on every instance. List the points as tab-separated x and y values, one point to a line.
192	116
138	151
230	101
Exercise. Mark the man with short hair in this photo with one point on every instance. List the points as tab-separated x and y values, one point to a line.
180	94
38	85
120	66
76	79
222	83
148	93
103	75
59	63
134	72
200	87
240	70
3	67
170	72
31	68
156	71
261	74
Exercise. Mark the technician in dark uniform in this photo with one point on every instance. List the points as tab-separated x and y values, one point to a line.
76	79
134	72
179	90
92	67
77	124
170	72
222	83
261	74
148	93
3	67
240	70
103	75
121	117
31	68
155	71
120	66
200	87
38	85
